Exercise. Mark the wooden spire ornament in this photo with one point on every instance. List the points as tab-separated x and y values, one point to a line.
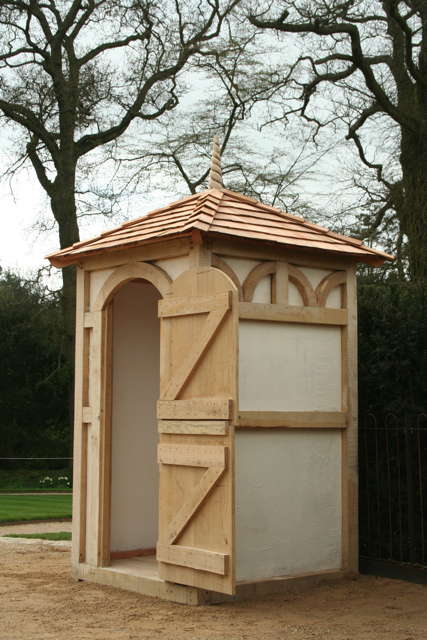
215	174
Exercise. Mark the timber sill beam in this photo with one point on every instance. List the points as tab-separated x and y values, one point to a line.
292	419
285	313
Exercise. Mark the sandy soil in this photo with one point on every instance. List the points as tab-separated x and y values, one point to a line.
35	527
40	600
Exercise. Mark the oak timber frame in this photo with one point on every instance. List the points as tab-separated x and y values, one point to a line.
92	436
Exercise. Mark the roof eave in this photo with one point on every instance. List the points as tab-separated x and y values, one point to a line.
61	260
370	257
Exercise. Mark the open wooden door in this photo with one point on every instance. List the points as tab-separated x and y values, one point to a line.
198	378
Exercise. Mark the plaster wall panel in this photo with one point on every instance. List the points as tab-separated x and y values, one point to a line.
334	298
241	266
262	291
97	279
134	487
173	266
294	296
288	497
315	276
289	367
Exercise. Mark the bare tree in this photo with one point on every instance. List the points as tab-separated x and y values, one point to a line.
74	75
229	95
367	59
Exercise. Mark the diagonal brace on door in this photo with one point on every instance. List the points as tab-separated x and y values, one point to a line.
220	306
214	457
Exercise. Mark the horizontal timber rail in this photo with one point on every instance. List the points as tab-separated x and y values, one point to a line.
195	558
195	409
292	419
286	313
183	306
194	427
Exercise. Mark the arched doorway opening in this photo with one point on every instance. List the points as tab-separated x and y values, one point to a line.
135	359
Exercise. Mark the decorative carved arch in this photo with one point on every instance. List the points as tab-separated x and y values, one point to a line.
133	271
221	264
296	276
254	276
329	282
302	283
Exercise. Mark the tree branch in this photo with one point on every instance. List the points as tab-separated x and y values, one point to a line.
38	165
112	45
353	135
359	60
26	118
407	32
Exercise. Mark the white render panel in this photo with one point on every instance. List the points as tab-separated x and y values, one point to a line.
294	296
173	266
334	298
289	367
262	291
313	275
241	266
288	502
136	361
97	280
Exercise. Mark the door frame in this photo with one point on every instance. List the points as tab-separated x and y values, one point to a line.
103	307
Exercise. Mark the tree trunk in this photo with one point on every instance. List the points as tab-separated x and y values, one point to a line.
64	209
412	209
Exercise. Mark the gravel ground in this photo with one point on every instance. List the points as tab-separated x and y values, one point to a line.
35	527
39	600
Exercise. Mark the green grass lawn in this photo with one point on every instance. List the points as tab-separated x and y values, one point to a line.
53	535
41	491
38	507
35	479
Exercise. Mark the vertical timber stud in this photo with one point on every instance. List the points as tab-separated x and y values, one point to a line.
200	253
106	434
350	542
80	429
94	413
280	284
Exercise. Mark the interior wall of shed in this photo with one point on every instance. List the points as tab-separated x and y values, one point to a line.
135	391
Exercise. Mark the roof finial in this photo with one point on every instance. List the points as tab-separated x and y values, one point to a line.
215	174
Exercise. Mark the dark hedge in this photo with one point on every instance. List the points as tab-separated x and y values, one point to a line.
392	346
34	377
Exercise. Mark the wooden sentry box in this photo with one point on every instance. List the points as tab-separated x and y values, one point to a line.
216	401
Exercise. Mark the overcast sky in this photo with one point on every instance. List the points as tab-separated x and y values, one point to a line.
23	203
21	247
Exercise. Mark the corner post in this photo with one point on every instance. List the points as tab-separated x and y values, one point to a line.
350	519
78	551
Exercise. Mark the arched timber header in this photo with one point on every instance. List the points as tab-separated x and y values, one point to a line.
310	297
296	276
134	271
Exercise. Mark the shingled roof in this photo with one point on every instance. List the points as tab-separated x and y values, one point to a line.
220	211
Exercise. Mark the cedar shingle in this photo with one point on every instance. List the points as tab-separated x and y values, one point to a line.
220	212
